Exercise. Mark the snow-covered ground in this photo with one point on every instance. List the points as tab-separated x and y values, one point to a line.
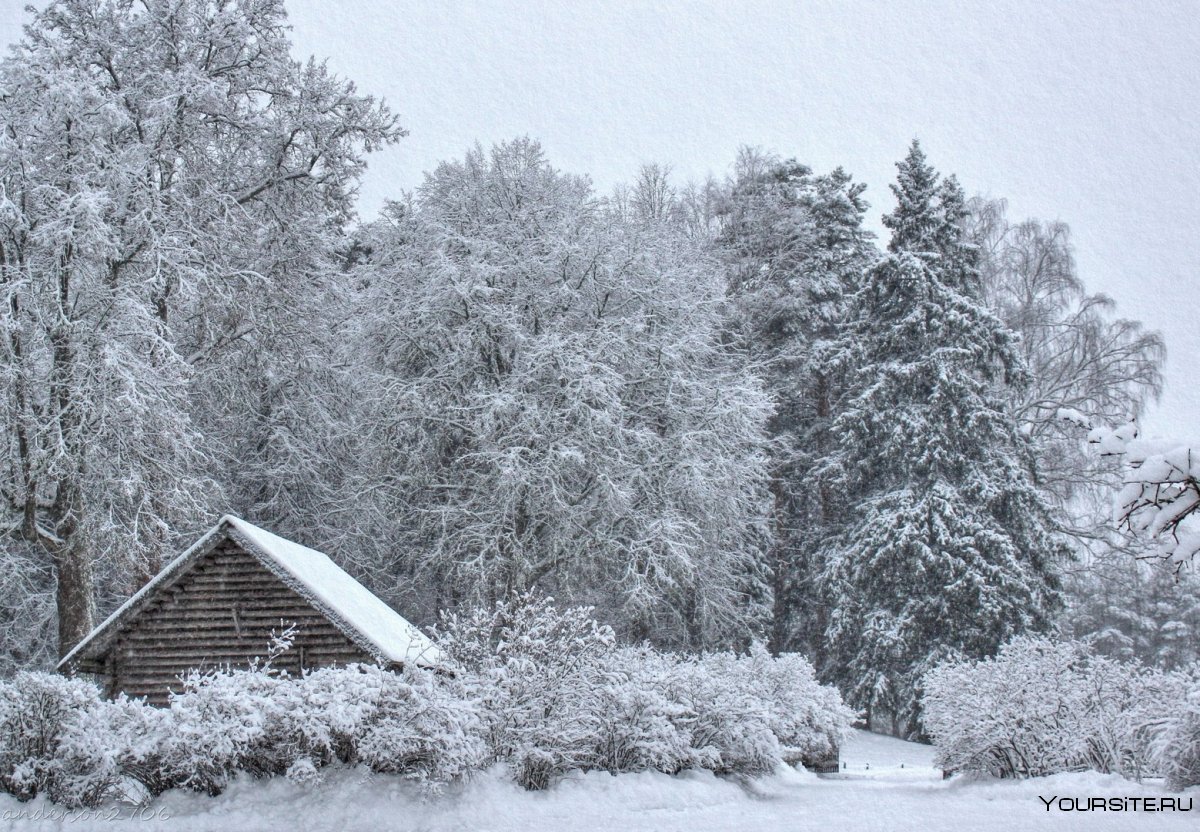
886	785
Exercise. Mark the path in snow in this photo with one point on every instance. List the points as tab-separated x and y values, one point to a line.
887	786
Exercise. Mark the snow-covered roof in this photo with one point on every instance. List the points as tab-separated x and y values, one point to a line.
350	606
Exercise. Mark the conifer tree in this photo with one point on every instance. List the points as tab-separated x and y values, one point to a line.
945	545
794	247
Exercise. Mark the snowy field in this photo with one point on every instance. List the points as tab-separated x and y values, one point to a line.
886	786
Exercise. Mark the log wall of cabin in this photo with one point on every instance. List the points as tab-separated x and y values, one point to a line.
222	612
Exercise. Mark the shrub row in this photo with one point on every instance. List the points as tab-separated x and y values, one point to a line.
535	689
1042	707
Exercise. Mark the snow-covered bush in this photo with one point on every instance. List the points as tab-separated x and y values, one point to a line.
557	694
137	743
809	719
413	722
732	725
1041	707
1175	746
753	710
224	721
52	741
636	720
422	726
535	670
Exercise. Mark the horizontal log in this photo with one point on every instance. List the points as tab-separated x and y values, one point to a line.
186	657
260	603
215	608
245	618
190	651
174	665
226	601
183	653
269	604
226	583
223	622
227	556
225	629
211	570
220	622
216	578
248	647
247	567
228	559
223	612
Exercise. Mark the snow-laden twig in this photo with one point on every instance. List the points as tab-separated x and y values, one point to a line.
1160	491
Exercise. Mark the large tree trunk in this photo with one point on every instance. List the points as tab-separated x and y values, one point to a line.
781	598
693	625
76	604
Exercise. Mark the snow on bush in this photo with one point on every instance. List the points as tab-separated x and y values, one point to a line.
421	726
1175	747
1041	707
59	737
541	691
535	669
732	723
223	721
49	740
557	694
636	719
809	719
753	710
413	722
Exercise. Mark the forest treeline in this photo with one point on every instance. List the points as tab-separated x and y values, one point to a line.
715	412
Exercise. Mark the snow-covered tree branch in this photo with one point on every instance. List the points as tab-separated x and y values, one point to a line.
1160	491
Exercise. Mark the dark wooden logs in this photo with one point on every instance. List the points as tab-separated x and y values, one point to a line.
223	611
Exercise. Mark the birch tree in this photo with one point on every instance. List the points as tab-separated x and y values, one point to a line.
1080	357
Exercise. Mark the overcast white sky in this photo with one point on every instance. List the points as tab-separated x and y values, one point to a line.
1085	112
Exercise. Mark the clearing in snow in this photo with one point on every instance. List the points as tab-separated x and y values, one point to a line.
886	786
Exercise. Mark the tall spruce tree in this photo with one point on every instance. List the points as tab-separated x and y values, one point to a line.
945	545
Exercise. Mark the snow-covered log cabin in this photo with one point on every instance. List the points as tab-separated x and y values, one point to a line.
220	601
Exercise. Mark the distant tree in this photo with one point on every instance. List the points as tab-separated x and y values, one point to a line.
653	197
1132	610
944	545
168	172
554	407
